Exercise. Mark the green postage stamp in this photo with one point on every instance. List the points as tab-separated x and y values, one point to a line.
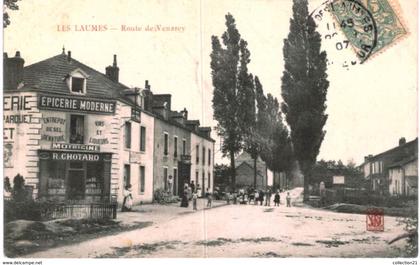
369	25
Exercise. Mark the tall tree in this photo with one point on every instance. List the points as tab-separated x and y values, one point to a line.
304	88
232	88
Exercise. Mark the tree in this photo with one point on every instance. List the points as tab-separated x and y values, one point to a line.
19	192
304	88
277	149
11	5
233	88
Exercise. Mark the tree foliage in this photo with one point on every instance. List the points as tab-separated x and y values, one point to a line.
304	88
233	90
8	5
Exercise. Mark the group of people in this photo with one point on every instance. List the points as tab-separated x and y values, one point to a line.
192	192
257	197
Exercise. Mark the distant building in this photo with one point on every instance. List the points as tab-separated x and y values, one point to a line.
403	177
245	171
377	168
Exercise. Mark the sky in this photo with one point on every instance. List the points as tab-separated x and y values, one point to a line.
369	106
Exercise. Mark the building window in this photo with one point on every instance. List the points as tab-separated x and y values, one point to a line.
184	146
127	134
142	138
142	178
209	180
209	158
197	154
166	144
175	146
77	128
127	175
77	85
196	177
165	177
204	156
175	179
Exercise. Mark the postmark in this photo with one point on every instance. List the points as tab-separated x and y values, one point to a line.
375	220
365	27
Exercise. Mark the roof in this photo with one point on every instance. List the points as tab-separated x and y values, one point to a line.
245	164
403	162
49	76
246	157
396	149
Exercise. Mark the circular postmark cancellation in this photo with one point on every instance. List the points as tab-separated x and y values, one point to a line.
358	24
346	25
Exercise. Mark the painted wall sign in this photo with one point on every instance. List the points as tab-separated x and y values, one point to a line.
78	147
338	179
98	133
76	104
53	127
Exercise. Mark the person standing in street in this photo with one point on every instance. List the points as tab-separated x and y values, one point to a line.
277	199
128	199
209	198
184	199
268	197
170	185
261	197
194	201
288	200
256	197
192	185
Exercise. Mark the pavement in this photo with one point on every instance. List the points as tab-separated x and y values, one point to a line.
239	231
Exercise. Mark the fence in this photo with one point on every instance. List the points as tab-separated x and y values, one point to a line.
79	211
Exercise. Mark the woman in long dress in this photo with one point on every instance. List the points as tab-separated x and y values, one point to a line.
184	199
128	199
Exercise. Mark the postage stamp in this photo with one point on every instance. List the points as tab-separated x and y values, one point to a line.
375	220
370	25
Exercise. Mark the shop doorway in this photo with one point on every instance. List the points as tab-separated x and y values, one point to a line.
75	185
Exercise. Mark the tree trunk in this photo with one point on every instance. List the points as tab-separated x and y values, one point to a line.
233	171
305	171
255	173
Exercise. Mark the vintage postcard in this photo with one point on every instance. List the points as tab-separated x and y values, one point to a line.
210	129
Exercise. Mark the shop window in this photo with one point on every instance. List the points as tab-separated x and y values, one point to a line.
77	128
94	178
57	177
78	85
142	139
127	177
142	178
127	134
175	146
165	144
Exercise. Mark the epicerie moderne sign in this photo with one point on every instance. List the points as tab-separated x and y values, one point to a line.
76	104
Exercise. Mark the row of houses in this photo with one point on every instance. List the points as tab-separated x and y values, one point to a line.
395	171
77	134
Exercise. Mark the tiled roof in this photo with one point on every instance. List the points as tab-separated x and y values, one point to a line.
403	162
49	76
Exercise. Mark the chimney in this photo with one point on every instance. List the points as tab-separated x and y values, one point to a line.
13	71
148	96
367	158
402	141
69	56
185	113
146	85
112	72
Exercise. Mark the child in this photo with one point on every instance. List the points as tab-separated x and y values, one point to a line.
277	199
256	197
194	200
209	198
288	199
